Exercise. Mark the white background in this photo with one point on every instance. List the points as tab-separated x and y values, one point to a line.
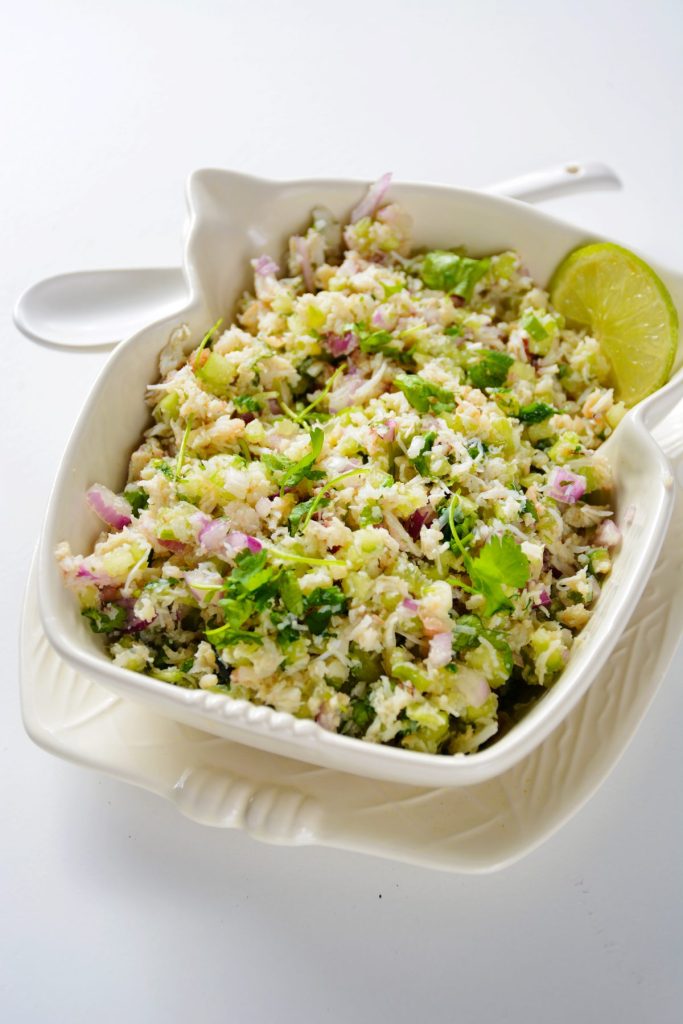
114	908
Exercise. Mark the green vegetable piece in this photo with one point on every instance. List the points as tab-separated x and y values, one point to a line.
533	326
137	499
490	370
454	331
215	374
168	407
422	395
449	272
535	412
371	515
108	619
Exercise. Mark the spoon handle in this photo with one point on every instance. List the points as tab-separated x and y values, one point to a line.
562	180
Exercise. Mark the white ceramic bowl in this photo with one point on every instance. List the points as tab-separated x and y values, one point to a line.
233	218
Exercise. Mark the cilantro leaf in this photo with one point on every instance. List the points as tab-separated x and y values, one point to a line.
500	561
422	395
373	341
449	272
247	403
535	412
490	370
321	605
289	473
137	499
302	510
109	618
469	631
422	461
251	571
228	636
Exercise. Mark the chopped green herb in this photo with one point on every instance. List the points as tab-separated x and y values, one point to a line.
206	338
535	412
321	605
490	370
374	341
422	461
183	446
318	500
454	331
288	473
137	499
301	511
247	403
500	562
422	395
107	619
449	272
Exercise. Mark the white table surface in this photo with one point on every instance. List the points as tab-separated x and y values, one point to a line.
114	908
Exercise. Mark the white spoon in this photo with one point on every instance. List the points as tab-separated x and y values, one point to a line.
99	308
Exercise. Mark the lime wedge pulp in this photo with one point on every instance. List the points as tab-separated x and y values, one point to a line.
626	308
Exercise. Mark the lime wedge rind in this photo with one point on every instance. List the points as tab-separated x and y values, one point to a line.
626	306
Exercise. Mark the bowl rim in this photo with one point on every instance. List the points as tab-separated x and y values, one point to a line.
261	720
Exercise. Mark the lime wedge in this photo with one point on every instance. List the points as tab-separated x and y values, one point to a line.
626	308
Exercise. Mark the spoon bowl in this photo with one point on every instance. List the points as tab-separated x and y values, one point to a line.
98	308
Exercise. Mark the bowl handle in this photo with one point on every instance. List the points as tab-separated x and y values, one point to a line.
563	180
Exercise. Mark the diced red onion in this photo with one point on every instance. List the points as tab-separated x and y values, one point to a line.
473	687
378	319
265	266
566	486
327	719
112	509
370	202
304	259
347	385
387	431
176	546
238	540
274	406
414	523
340	344
99	579
608	534
440	650
212	532
409	604
543	599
